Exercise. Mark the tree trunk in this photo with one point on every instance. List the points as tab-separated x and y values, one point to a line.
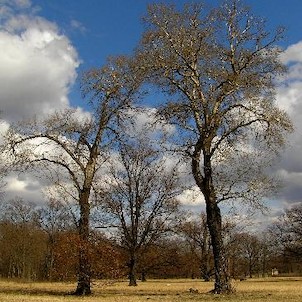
132	271
49	261
264	264
205	184
143	275
84	269
250	267
205	269
222	279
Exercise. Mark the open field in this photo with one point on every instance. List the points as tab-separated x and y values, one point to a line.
256	290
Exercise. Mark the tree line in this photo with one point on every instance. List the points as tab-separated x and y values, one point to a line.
42	242
216	120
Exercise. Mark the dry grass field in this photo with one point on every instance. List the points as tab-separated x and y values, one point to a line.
256	290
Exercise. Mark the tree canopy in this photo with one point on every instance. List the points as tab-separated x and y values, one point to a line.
218	68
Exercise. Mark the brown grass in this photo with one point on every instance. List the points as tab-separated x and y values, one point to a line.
256	290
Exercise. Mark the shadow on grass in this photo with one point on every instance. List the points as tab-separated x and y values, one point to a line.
46	292
34	292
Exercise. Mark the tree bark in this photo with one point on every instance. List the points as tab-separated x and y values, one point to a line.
84	269
214	222
132	271
222	279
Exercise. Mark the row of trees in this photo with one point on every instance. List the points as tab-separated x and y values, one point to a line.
41	243
216	72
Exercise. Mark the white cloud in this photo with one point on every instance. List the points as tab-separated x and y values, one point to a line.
82	116
289	91
37	65
292	53
37	69
289	98
191	197
3	128
14	184
25	186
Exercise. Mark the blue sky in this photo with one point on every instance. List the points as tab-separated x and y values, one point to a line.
45	44
110	27
100	28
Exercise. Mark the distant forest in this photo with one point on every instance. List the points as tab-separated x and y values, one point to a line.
41	243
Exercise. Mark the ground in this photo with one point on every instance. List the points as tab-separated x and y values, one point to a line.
256	290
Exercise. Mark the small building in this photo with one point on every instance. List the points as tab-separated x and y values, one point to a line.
275	272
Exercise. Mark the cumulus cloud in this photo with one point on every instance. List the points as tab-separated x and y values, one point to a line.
289	89
25	186
145	120
37	63
37	69
289	98
292	53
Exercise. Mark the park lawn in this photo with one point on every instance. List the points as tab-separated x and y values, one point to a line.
256	290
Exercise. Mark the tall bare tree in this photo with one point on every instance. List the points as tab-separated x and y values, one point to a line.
141	200
73	148
218	68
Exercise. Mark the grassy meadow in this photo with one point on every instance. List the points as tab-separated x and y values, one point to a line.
256	290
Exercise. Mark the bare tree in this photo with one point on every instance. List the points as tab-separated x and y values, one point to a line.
54	218
73	148
197	235
141	200
218	68
250	250
18	211
22	242
288	232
